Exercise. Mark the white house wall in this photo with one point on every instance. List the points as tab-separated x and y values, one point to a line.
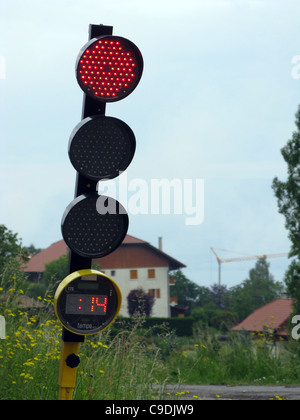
121	276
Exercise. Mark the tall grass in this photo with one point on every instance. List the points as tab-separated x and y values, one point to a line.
241	359
125	362
128	367
114	365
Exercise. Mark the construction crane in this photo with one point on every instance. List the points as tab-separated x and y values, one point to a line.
250	257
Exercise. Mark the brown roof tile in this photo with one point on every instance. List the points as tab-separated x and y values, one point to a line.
36	264
133	252
272	316
138	255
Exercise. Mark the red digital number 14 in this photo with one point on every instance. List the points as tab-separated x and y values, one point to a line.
95	301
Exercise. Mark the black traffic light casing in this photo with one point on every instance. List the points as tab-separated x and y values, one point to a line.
108	69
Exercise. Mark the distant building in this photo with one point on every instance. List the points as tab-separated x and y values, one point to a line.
273	316
134	264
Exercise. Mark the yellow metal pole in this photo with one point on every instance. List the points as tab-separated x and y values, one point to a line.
67	374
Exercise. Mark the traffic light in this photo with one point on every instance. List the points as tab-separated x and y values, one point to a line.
108	68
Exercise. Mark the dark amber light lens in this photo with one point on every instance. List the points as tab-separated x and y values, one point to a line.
101	147
94	229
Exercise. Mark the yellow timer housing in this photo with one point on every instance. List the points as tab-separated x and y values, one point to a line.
87	301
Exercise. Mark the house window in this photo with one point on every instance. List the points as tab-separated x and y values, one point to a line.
133	274
113	273
171	281
151	273
154	293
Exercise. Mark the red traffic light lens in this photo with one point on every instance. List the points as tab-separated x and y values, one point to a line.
93	228
109	68
101	147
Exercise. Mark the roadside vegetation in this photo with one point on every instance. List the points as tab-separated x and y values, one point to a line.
131	362
135	359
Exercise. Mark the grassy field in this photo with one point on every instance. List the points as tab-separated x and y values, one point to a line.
132	364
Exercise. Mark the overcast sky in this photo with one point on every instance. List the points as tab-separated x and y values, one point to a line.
216	103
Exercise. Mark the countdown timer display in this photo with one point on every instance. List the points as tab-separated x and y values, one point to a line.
87	301
86	304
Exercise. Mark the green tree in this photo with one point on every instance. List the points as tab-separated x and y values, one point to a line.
288	199
55	272
288	192
32	250
218	293
10	247
258	290
187	292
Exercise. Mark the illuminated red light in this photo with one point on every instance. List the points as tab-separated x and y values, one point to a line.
111	74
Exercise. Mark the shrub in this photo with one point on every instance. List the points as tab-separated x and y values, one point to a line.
221	320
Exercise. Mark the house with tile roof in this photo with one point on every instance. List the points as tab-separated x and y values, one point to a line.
134	264
273	316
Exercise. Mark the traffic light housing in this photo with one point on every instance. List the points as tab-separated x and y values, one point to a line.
108	68
101	147
92	232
